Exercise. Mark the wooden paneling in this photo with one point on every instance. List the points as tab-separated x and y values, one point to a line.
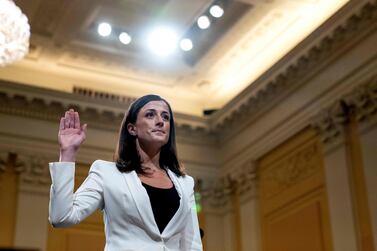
358	187
79	240
297	227
293	196
8	205
237	222
86	236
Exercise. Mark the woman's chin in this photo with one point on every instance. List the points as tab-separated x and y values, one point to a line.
158	141
161	142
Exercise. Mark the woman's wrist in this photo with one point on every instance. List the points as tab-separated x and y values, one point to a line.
67	155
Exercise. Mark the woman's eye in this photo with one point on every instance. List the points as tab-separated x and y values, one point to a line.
165	117
149	115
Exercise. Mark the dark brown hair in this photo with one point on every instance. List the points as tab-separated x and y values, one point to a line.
127	157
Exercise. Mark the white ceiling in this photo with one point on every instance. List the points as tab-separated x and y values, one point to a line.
253	35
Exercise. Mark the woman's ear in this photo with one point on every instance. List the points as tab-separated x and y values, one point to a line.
131	129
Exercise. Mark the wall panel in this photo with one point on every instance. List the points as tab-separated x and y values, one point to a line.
293	196
8	198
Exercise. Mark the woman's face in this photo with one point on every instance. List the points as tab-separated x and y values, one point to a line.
152	124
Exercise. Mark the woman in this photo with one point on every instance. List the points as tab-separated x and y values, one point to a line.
147	200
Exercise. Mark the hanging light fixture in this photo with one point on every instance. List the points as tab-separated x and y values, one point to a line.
14	33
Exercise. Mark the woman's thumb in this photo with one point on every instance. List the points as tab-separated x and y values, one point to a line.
84	128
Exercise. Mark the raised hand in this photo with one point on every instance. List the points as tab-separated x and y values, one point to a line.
71	135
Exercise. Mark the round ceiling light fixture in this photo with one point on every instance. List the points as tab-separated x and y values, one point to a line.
216	11
104	29
162	41
186	44
203	22
124	38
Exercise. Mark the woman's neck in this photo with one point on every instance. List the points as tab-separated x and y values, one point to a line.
150	158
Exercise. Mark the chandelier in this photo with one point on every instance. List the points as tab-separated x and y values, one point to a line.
14	33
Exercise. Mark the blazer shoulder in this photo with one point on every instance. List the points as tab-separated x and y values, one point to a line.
188	181
102	166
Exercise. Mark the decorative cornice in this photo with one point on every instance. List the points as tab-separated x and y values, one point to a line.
329	123
360	102
247	179
220	192
48	105
255	101
33	170
363	100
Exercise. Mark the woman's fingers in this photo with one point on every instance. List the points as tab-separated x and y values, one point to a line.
72	118
66	120
84	128
77	120
62	121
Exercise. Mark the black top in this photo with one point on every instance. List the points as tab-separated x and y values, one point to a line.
164	202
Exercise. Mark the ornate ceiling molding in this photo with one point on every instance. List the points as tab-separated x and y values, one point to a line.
32	168
360	102
329	123
255	101
98	110
244	184
363	100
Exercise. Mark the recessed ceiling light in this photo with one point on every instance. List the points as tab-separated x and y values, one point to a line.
104	29
204	22
124	38
216	11
186	44
162	41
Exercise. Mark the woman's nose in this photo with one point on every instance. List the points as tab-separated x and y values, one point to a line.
159	120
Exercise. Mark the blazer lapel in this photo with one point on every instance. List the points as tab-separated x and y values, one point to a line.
178	217
141	199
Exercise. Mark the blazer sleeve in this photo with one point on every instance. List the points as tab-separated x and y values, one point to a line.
191	240
67	208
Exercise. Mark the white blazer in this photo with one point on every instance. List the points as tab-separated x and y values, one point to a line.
127	212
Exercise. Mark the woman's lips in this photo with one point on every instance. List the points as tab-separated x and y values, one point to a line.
159	131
